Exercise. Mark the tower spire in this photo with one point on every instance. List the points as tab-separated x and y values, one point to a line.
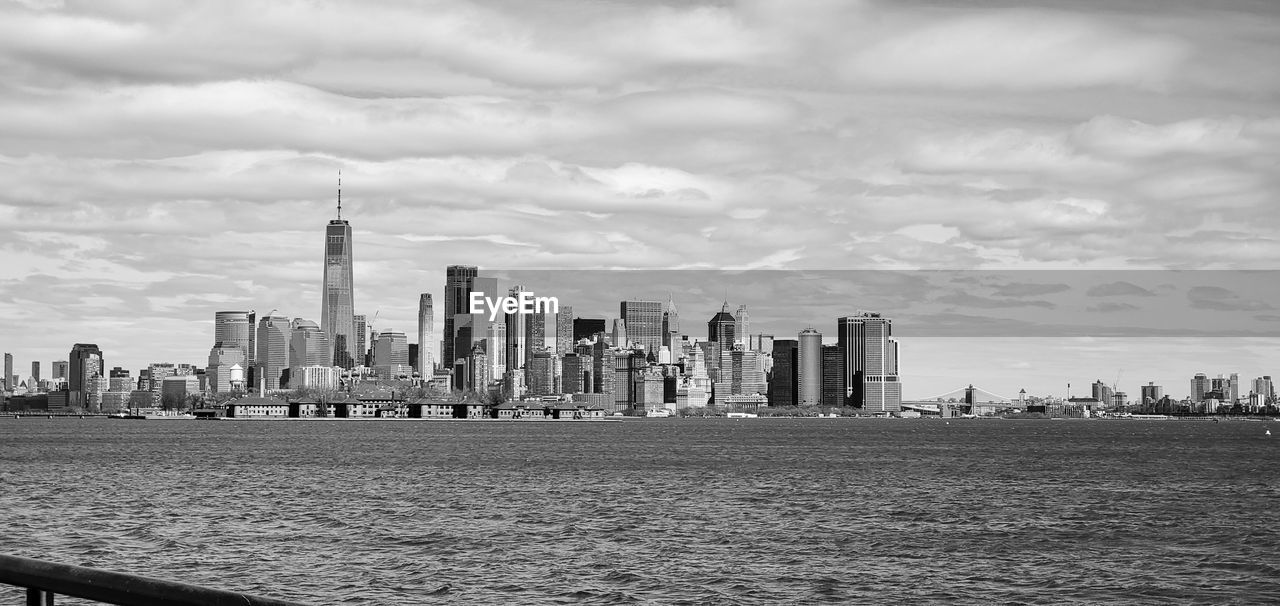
339	194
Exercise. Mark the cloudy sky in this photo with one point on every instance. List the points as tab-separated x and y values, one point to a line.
159	163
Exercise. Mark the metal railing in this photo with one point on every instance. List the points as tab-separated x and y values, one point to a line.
43	580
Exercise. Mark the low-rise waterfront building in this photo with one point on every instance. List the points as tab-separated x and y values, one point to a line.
257	408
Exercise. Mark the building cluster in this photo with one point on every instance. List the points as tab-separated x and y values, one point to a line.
644	362
640	362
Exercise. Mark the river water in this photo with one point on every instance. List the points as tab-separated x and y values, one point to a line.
657	511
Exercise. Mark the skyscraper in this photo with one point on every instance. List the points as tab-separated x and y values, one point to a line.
870	356
457	292
35	372
1199	387
808	368
85	362
221	362
61	369
362	339
308	346
516	350
426	336
272	358
587	328
742	325
722	328
741	373
564	330
1151	393
535	334
232	330
671	325
832	389
1102	393
8	372
782	383
235	329
337	314
391	353
643	320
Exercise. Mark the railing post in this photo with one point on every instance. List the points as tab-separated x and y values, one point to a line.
39	597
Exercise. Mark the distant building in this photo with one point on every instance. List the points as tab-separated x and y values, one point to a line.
671	325
236	329
782	382
516	347
61	370
809	368
1103	393
175	389
619	337
870	362
650	392
425	361
221	359
314	377
742	326
643	321
362	339
337	302
457	295
832	387
721	332
1264	390
391	354
35	371
85	363
9	381
575	373
1151	394
1199	387
564	331
274	336
587	328
741	373
308	345
540	376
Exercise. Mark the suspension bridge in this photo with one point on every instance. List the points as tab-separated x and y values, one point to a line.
968	396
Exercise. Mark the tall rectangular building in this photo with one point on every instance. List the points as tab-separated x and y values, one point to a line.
426	336
458	282
782	383
337	314
643	321
9	383
1199	387
85	362
588	328
516	347
362	339
870	362
275	335
1151	393
741	373
564	331
832	389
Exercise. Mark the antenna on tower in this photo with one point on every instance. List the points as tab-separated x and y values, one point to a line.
339	194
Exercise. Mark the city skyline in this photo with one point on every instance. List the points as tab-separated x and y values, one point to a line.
141	197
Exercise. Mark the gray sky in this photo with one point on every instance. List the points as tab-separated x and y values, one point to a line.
158	164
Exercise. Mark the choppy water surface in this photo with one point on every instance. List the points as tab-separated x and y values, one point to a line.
663	511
